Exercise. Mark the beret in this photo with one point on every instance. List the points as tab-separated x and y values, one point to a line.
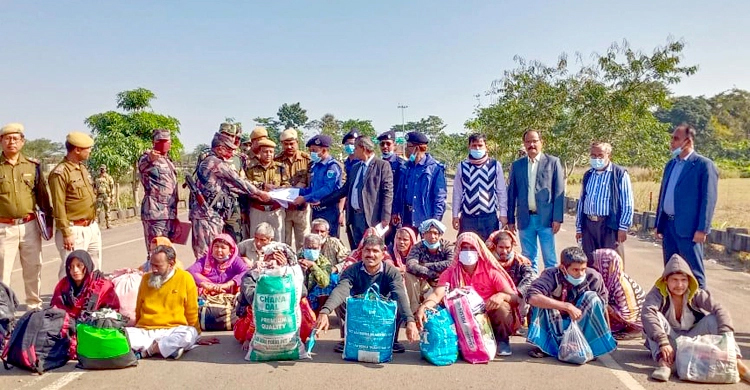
311	141
417	138
11	128
323	141
161	134
387	136
288	134
353	134
79	140
266	142
258	132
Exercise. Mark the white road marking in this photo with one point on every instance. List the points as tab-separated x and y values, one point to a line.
619	373
62	382
56	259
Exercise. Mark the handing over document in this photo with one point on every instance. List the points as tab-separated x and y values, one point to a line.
284	195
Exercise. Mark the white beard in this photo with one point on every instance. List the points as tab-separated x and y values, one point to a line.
156	281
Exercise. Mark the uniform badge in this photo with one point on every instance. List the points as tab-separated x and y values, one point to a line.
331	174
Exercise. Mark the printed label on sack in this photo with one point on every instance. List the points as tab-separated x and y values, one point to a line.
272	303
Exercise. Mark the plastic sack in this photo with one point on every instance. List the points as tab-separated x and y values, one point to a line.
370	327
707	358
475	337
573	347
277	317
127	281
103	348
308	319
244	328
438	342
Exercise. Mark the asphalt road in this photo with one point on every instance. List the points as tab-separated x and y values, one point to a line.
222	366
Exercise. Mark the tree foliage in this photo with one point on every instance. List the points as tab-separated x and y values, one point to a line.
43	149
432	127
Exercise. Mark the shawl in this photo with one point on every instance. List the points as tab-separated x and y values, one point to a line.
625	295
399	260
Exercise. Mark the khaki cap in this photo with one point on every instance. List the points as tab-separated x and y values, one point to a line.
79	139
288	134
258	132
11	128
266	142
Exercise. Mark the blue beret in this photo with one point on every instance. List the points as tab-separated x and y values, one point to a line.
387	136
417	138
353	134
311	141
323	141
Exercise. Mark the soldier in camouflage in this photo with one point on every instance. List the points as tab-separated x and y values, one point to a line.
159	179
105	192
219	184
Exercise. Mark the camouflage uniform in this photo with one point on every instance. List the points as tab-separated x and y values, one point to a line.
271	212
232	223
220	185
159	207
105	190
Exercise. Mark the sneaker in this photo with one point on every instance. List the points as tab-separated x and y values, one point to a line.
661	374
339	348
503	348
177	354
398	348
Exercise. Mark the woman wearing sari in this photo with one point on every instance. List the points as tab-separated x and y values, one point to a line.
404	240
475	266
221	269
625	295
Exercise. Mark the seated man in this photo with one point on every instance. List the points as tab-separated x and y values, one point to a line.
166	313
676	306
333	249
426	261
251	250
356	279
475	266
569	292
221	270
156	241
317	270
506	248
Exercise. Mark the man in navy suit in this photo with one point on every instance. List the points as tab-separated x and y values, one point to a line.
686	202
536	196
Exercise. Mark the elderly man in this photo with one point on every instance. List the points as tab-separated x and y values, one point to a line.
74	202
251	250
536	199
326	178
569	292
166	313
605	209
267	175
426	261
105	193
159	179
686	202
23	191
369	192
480	200
356	279
332	247
296	164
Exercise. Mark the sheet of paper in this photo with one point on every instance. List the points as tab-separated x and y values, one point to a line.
381	231
284	194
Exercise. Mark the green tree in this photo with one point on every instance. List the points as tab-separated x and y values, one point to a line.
271	125
329	125
432	126
450	149
43	150
364	126
121	137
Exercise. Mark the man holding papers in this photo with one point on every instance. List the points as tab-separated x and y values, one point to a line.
369	191
267	174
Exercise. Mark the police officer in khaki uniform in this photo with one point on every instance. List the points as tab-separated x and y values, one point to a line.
297	164
22	189
258	134
74	202
267	175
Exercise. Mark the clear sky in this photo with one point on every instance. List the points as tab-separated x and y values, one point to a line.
61	61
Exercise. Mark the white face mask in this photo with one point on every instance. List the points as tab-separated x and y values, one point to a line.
468	257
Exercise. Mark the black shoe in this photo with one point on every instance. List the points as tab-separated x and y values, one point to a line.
537	353
339	348
398	348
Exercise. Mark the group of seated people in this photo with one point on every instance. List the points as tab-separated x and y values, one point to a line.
417	271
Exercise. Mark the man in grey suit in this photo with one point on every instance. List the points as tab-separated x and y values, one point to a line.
368	189
536	196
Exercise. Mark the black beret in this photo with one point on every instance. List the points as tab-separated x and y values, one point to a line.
311	141
323	141
387	136
353	134
417	138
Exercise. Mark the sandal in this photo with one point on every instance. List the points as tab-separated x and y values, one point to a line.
537	353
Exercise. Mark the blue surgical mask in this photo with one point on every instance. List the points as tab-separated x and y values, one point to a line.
597	163
677	152
349	149
413	157
387	154
311	254
575	281
477	153
314	157
431	246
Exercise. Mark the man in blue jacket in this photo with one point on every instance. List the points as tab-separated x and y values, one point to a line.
387	143
686	202
422	190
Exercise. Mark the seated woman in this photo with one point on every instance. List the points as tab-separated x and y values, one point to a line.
426	261
474	265
676	306
156	241
82	283
317	269
625	295
402	243
505	246
221	269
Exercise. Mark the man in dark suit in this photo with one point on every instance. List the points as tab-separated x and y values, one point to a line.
686	202
536	196
369	191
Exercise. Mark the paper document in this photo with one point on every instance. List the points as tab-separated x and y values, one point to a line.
284	195
381	231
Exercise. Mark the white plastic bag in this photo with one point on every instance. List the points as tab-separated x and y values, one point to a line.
574	348
127	281
707	359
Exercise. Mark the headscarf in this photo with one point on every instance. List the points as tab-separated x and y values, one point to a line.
356	254
161	240
212	263
515	244
398	260
625	295
71	296
273	246
486	260
427	224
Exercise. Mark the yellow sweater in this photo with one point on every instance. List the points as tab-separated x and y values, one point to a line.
174	304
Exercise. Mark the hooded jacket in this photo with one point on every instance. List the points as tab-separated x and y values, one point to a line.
699	301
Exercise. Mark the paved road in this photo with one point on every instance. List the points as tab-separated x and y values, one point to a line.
222	366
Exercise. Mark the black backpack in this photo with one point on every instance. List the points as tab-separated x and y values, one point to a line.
40	341
8	307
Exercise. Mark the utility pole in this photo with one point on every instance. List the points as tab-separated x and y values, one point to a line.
403	107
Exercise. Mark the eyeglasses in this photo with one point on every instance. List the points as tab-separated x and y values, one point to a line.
10	140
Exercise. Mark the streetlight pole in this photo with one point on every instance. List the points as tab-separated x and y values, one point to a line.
403	123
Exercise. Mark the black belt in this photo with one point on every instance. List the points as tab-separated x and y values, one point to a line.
532	212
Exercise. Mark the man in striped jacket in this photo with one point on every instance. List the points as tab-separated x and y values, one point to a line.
605	209
480	199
